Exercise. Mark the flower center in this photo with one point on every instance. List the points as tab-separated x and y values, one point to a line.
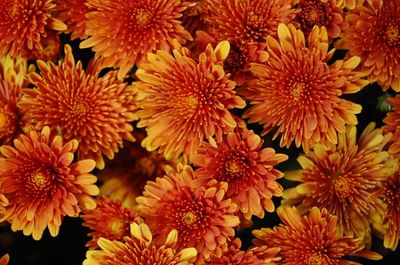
312	13
392	34
40	180
117	227
192	102
233	167
342	187
189	218
142	17
255	21
316	259
297	90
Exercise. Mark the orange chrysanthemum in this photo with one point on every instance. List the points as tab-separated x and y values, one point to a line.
392	121
123	32
248	20
23	25
203	217
140	249
124	178
183	101
311	239
320	13
72	13
42	184
253	256
299	92
389	193
95	111
342	178
248	170
109	220
5	259
374	35
12	79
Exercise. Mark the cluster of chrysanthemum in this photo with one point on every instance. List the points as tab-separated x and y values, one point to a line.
171	88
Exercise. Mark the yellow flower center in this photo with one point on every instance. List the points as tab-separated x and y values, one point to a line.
316	259
189	218
143	17
392	34
233	167
192	102
342	187
117	227
297	91
40	180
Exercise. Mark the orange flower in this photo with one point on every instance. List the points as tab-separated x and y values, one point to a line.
141	249
248	170
72	13
392	120
321	13
342	178
253	256
311	239
202	216
123	32
194	17
12	79
374	36
95	111
183	101
109	220
248	20
42	184
23	25
298	91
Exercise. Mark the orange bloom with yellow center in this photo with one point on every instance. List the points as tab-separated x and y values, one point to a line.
320	13
311	239
392	125
248	170
42	184
248	20
95	111
12	79
342	178
109	220
72	13
140	249
374	36
299	92
183	101
24	24
202	216
123	32
253	256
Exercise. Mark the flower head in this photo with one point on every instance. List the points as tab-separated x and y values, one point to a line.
320	13
202	216
109	220
261	255
123	32
12	79
72	13
248	20
96	111
23	25
392	125
183	101
299	92
42	184
374	36
140	249
342	178
248	169
311	239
